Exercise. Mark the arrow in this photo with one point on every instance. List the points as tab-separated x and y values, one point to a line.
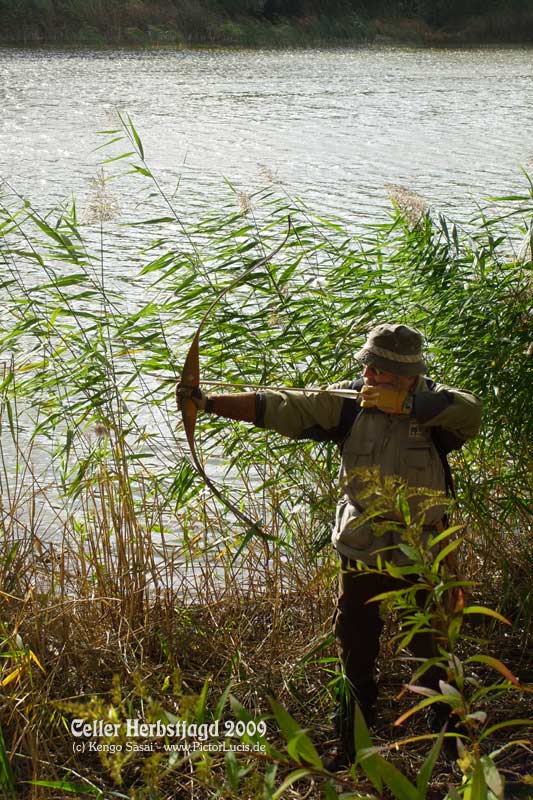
351	394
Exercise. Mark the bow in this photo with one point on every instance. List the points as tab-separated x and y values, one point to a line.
190	377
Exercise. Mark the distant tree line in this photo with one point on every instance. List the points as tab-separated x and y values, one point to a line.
435	12
198	19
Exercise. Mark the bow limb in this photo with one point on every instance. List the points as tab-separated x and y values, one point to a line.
190	377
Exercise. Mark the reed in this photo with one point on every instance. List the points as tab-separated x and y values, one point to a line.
126	588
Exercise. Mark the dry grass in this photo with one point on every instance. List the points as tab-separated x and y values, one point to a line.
113	618
106	606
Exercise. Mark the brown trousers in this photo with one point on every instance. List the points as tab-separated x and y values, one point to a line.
358	627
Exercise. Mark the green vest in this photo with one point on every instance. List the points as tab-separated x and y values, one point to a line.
379	446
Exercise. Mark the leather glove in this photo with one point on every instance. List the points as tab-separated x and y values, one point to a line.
386	398
198	397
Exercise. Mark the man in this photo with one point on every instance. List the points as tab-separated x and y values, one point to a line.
401	425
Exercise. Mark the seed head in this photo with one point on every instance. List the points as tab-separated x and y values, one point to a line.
102	205
410	205
100	430
268	174
245	202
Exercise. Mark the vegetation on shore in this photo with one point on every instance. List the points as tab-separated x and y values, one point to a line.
263	23
128	592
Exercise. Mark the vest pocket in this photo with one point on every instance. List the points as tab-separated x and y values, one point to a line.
419	467
357	466
347	531
360	454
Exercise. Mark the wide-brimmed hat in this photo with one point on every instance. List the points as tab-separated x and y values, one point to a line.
394	348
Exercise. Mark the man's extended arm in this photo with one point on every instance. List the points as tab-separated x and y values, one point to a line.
313	415
317	415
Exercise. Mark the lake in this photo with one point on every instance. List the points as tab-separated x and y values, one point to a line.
332	126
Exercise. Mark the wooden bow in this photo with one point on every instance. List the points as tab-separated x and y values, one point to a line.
190	378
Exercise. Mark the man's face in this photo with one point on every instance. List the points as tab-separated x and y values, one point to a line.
379	377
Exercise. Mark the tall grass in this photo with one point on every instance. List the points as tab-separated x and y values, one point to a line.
120	578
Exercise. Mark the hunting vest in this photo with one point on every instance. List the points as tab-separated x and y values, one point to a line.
376	447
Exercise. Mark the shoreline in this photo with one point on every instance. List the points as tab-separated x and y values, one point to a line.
284	33
48	46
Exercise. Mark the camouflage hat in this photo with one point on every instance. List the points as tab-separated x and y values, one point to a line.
394	348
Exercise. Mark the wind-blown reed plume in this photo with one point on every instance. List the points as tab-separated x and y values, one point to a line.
102	204
410	205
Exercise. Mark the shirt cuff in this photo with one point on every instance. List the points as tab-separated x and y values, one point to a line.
260	409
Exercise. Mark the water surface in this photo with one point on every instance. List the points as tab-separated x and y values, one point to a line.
333	125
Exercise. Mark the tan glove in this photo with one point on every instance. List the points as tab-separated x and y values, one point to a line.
198	397
387	399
